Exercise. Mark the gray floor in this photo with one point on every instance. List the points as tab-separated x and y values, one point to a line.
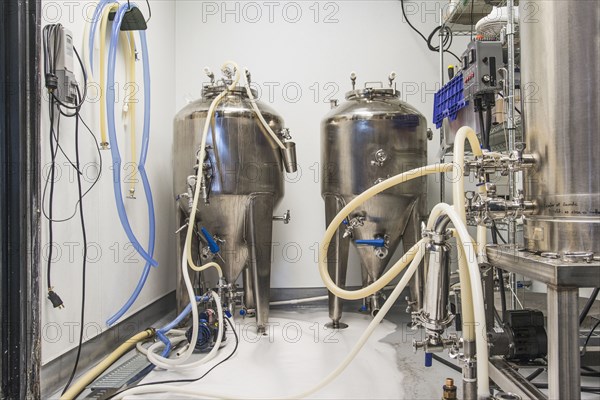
387	368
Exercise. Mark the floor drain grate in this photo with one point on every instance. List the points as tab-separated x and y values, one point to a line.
121	374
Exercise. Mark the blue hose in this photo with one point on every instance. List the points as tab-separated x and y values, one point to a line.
161	333
181	316
110	100
116	156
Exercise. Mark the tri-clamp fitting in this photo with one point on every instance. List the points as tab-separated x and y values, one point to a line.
485	208
516	161
229	294
437	343
379	158
353	224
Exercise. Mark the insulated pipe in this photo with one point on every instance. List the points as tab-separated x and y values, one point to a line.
356	202
195	393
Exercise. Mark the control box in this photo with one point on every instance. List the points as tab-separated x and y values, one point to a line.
480	64
67	84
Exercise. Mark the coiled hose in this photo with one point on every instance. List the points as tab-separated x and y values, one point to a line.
110	101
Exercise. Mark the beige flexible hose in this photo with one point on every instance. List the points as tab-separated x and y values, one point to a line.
356	202
103	365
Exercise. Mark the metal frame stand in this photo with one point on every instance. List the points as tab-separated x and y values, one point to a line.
563	343
563	279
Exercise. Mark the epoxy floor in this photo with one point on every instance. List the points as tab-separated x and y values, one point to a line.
299	351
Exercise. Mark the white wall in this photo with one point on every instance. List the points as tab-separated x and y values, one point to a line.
300	55
111	276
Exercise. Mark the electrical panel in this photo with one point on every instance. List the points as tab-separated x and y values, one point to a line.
480	64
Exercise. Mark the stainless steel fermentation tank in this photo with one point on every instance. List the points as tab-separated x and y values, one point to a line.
243	172
560	70
371	136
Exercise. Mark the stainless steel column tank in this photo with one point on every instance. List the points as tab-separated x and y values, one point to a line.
244	182
560	71
371	136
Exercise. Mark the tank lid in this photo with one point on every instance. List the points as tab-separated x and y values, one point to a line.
211	91
372	93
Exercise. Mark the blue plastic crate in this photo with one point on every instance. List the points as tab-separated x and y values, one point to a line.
449	100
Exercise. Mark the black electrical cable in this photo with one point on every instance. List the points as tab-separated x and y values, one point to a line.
587	339
588	305
495	227
488	127
446	362
149	11
237	341
472	3
500	273
535	374
482	125
446	42
84	262
51	203
100	167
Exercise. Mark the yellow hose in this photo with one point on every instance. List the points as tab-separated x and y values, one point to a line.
103	25
131	108
356	202
103	365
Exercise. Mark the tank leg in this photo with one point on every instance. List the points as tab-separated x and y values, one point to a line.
337	262
247	277
409	238
260	232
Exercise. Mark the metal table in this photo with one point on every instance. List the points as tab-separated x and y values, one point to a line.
563	279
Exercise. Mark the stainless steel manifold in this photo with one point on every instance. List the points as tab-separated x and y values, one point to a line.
243	183
370	137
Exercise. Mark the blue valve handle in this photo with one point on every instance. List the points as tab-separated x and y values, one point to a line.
212	245
371	242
